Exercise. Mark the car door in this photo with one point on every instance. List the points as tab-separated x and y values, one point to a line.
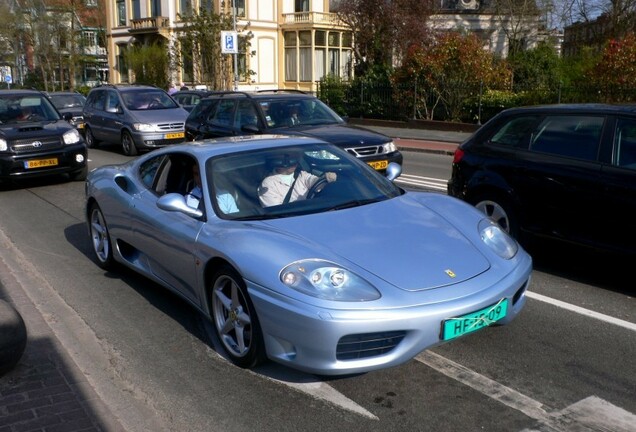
112	117
220	121
167	239
618	189
559	182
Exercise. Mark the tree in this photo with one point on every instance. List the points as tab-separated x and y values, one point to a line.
149	64
537	68
384	30
615	73
450	71
516	17
199	45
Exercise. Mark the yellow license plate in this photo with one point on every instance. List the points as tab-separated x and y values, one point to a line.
175	135
379	165
38	163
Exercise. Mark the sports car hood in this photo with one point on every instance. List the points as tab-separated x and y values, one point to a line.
26	130
400	240
341	135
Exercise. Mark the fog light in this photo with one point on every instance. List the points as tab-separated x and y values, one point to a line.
79	158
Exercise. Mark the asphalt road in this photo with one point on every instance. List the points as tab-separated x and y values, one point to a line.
138	359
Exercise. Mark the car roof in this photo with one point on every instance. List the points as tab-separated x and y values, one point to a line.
264	94
21	92
587	108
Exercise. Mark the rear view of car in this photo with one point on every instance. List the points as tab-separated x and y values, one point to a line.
137	117
35	141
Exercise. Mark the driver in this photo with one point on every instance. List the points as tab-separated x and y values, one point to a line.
287	182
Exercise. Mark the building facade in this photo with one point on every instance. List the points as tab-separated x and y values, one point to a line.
295	42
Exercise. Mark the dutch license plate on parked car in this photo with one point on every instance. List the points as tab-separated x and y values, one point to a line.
38	163
459	326
379	165
175	135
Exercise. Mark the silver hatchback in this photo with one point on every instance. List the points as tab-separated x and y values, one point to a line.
138	117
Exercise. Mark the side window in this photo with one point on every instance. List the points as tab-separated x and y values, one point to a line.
224	114
201	109
568	135
99	100
148	173
625	144
515	132
113	101
245	114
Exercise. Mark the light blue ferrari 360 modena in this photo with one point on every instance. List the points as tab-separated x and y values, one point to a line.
347	274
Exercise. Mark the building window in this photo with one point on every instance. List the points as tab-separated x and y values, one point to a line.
122	67
121	12
155	8
305	56
136	9
240	7
301	6
291	71
185	8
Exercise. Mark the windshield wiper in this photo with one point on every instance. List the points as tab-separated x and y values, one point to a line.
353	203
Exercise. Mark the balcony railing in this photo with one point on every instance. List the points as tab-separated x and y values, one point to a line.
312	18
150	24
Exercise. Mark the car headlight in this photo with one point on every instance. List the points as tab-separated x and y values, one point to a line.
389	147
144	127
71	137
3	145
328	281
497	239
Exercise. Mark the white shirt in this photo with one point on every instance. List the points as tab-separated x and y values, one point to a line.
273	189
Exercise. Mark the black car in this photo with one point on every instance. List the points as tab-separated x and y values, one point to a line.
70	102
565	172
188	99
35	140
286	112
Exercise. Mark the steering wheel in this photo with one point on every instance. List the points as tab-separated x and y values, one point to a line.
155	104
318	186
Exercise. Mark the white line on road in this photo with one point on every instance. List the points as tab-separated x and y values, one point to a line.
599	316
428	182
590	414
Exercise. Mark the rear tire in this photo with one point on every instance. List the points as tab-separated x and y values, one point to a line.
235	319
127	144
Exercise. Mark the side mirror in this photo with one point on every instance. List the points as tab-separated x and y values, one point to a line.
176	203
393	171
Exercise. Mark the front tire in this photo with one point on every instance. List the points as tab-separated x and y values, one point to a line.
235	319
91	142
100	238
127	144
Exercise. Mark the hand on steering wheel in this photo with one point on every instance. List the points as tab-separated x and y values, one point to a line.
320	184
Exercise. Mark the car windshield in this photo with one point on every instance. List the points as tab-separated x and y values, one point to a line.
67	101
145	99
294	112
324	178
26	108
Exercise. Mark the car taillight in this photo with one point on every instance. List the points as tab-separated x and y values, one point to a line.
459	154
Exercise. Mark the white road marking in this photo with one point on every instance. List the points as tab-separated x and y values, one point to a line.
590	414
426	182
596	315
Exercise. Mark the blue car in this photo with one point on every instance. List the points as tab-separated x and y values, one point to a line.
348	273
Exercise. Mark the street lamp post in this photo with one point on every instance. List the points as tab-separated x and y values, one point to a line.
236	53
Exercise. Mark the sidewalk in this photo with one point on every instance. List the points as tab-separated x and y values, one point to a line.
423	140
47	391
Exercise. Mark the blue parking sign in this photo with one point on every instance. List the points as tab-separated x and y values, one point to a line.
229	42
8	79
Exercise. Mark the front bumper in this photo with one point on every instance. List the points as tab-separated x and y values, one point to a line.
63	160
311	339
153	140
